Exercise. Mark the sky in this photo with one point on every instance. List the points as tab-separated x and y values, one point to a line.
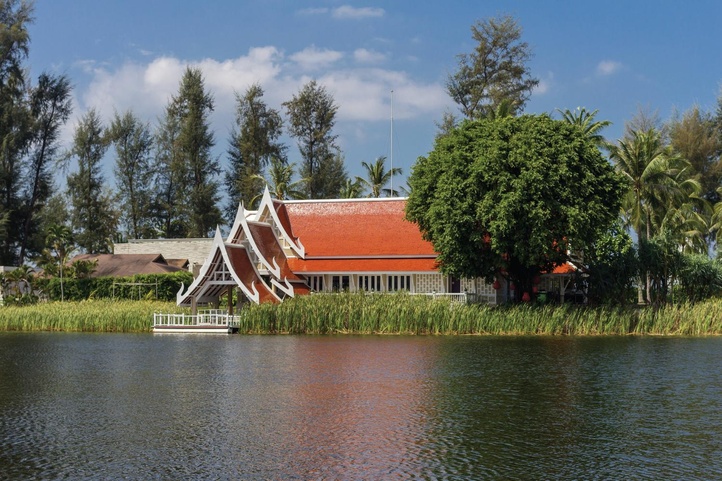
616	57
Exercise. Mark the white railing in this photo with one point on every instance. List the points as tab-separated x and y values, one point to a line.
460	297
206	318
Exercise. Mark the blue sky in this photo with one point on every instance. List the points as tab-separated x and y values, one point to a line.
614	56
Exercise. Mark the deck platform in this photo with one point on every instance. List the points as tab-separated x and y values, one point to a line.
206	322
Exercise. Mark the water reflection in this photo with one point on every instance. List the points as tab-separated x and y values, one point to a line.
81	406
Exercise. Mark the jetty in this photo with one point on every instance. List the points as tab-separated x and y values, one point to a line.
208	321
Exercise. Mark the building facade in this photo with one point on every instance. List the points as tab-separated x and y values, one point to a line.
289	248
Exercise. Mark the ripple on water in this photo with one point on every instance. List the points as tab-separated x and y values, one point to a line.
115	406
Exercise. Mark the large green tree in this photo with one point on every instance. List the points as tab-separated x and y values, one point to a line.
169	208
93	215
133	144
495	72
311	117
512	196
658	181
254	144
694	136
191	108
15	123
50	107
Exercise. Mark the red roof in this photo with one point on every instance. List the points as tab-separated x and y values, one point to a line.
356	228
564	269
363	265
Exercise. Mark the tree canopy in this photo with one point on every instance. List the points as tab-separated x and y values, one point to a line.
512	196
495	72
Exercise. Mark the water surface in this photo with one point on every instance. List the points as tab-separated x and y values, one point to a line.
111	406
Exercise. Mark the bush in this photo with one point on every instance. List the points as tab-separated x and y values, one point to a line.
141	286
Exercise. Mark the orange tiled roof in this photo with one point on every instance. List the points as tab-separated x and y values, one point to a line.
356	227
564	269
362	265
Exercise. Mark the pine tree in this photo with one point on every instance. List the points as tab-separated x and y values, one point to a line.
191	107
133	144
312	115
254	145
93	217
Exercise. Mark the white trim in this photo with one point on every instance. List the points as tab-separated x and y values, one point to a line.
387	257
267	203
362	199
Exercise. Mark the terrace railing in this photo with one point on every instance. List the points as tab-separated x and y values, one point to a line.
205	318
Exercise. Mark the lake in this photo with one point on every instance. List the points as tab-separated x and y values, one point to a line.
143	406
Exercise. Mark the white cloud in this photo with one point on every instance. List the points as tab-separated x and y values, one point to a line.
608	67
544	84
363	55
365	94
347	11
312	58
361	94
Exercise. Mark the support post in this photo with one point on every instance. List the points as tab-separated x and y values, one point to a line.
230	300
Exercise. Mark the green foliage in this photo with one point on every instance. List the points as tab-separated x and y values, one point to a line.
495	72
280	183
700	277
660	260
377	177
133	174
694	136
169	208
94	218
50	107
85	316
612	267
311	116
192	107
512	195
358	313
254	144
75	289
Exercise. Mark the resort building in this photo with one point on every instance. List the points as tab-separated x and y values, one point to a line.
293	247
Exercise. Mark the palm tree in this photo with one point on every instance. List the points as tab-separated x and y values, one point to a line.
655	177
59	241
351	190
584	119
280	186
377	177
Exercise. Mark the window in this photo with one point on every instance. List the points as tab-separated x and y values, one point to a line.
315	283
340	283
399	283
369	283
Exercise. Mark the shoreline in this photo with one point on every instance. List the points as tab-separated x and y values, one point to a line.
398	314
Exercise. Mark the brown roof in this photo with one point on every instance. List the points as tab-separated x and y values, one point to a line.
182	263
123	265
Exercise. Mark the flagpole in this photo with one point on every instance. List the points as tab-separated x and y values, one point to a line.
392	144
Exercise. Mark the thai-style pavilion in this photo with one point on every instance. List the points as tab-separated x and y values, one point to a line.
294	247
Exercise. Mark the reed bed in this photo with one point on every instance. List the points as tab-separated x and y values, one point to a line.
420	315
87	316
355	313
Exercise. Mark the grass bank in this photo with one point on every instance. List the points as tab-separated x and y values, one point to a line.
86	316
383	314
404	314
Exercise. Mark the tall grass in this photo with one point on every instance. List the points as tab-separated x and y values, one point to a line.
355	313
405	314
88	316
